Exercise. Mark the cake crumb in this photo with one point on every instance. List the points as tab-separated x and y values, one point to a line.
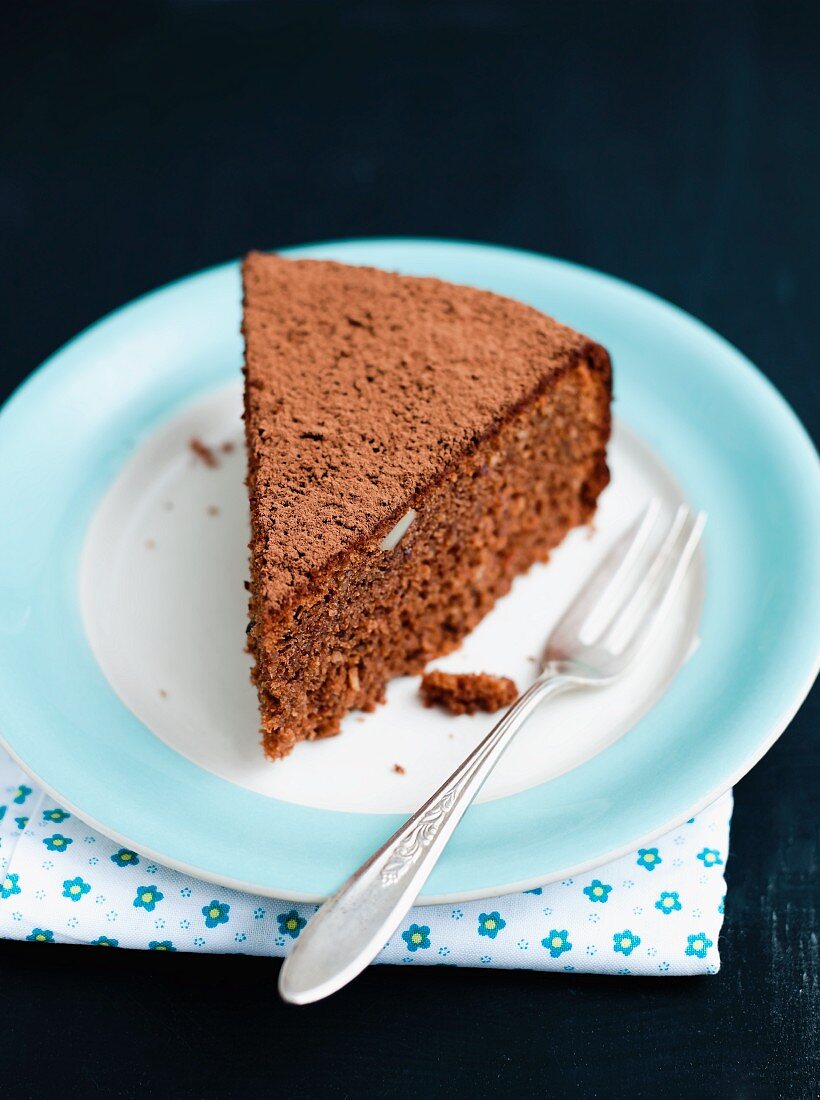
467	692
399	770
227	447
213	510
163	694
203	451
149	544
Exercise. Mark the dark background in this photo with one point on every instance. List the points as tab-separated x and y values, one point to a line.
672	144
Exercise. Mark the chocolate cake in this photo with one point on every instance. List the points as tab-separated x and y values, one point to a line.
412	447
467	692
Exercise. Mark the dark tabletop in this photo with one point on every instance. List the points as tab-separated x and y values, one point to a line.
673	144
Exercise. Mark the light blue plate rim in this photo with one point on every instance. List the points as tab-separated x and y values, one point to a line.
733	443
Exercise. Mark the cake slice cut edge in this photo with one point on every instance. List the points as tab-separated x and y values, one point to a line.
413	446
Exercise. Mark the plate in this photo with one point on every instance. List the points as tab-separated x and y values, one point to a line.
123	682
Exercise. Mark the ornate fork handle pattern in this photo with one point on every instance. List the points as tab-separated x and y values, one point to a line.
424	833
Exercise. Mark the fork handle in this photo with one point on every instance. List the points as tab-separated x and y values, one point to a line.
353	925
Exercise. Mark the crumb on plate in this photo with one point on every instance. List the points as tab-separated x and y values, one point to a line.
203	452
467	692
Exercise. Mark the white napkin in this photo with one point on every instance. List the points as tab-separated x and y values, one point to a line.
656	911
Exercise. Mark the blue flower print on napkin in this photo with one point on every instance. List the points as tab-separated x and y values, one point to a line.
668	902
10	886
41	935
55	816
58	842
290	924
648	858
75	888
125	858
490	924
698	944
557	942
417	937
147	898
597	890
216	913
625	942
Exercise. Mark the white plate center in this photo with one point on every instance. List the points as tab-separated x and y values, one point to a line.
165	609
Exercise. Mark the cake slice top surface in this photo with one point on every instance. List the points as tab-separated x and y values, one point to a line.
362	388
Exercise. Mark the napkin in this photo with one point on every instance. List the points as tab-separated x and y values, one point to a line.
656	911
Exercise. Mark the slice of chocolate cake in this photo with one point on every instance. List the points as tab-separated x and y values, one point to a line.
412	446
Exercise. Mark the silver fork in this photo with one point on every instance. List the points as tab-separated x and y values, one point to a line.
599	636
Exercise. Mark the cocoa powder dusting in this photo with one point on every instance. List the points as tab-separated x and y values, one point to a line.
362	389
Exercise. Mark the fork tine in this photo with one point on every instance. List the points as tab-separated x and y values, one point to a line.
660	585
607	578
641	578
